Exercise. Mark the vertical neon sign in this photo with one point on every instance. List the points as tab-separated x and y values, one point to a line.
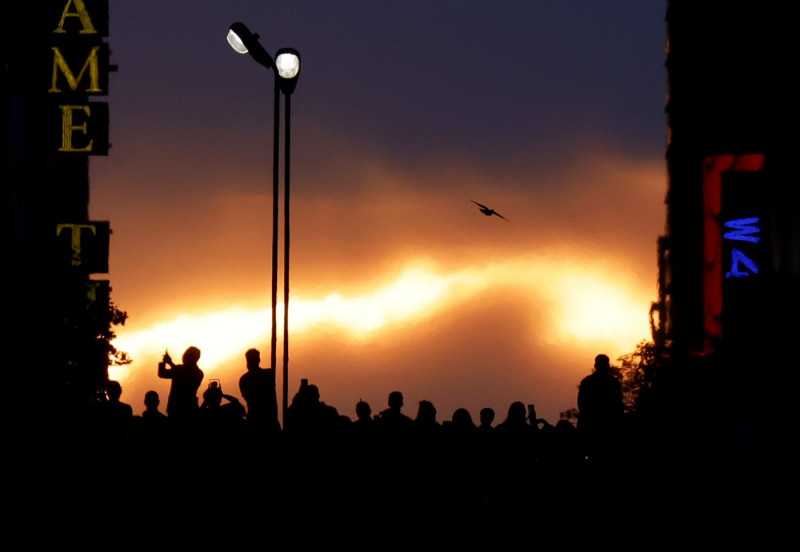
721	256
742	266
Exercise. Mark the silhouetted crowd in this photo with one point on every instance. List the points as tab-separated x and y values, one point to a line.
210	456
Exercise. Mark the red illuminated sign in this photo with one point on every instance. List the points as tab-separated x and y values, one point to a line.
728	236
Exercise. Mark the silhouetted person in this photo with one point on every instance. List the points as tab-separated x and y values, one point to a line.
600	408
113	419
564	473
486	436
118	416
364	424
426	462
121	410
488	459
220	429
396	455
363	412
152	425
309	415
425	423
151	411
186	379
515	461
257	387
461	423
216	416
535	421
427	448
539	428
392	419
152	444
516	422
459	477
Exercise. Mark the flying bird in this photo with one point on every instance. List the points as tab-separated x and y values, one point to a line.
486	211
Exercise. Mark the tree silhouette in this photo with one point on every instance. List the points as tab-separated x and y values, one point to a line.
116	317
83	350
637	371
570	414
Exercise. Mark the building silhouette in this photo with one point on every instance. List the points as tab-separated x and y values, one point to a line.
729	261
56	65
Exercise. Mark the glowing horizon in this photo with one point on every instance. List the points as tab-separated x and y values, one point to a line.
586	305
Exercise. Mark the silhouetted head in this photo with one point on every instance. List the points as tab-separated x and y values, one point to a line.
191	355
213	395
462	418
487	416
151	400
426	412
113	390
601	363
363	410
312	393
253	358
395	400
516	412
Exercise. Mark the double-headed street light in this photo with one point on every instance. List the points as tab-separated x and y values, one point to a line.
286	70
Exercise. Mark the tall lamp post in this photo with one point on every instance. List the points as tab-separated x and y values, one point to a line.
286	70
287	62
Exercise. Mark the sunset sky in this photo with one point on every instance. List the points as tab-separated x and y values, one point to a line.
552	113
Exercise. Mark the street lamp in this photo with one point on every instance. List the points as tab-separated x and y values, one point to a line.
243	41
286	70
287	62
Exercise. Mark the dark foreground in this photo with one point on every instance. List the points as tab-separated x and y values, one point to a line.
443	490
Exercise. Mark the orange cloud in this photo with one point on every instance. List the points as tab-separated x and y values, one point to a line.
399	281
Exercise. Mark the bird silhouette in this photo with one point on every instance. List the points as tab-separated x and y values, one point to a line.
488	212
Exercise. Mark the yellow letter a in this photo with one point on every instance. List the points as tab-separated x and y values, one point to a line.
81	13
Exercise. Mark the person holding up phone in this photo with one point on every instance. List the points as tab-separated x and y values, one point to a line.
186	379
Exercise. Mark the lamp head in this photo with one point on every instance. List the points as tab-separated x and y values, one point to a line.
244	42
287	64
235	33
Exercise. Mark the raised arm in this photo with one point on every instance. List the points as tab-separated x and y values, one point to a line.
163	371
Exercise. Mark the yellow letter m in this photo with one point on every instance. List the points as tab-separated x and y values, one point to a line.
91	65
